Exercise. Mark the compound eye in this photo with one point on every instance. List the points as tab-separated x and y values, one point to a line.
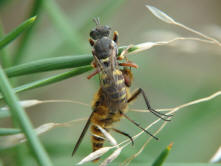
93	34
107	28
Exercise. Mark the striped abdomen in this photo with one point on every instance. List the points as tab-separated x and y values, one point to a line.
114	86
104	116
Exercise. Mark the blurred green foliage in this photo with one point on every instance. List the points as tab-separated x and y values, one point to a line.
170	76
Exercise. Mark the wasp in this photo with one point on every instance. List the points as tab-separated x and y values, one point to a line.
111	100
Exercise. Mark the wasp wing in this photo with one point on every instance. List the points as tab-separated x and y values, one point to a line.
82	134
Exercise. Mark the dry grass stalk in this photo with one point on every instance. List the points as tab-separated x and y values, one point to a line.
172	110
216	157
96	154
112	157
164	17
110	138
12	140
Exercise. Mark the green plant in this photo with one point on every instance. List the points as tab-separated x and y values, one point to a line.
76	64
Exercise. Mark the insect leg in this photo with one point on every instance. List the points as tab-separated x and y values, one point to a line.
93	74
156	113
129	64
82	134
116	35
125	134
91	41
138	125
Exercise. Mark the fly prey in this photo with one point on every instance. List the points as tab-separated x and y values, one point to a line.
111	100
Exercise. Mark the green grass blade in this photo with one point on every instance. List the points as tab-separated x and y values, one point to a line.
4	41
52	79
21	118
162	157
9	131
56	63
4	57
19	54
49	64
190	164
62	23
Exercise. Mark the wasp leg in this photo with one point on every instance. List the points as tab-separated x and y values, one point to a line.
138	125
156	113
93	74
125	134
91	41
116	36
129	64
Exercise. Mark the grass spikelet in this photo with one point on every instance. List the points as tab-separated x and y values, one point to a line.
108	136
92	156
112	157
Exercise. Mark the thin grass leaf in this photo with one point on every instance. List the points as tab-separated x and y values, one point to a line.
52	79
9	131
112	157
162	157
2	3
4	57
4	111
65	62
35	11
49	64
62	23
23	121
4	41
161	15
92	156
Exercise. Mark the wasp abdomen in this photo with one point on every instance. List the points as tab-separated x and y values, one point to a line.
115	90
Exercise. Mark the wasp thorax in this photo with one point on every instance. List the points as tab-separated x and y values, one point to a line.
99	32
104	47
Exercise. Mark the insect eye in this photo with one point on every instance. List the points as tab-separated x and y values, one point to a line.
93	34
107	28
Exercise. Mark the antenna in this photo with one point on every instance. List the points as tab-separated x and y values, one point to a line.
96	20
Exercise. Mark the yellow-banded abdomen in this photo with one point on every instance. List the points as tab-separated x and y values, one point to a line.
113	84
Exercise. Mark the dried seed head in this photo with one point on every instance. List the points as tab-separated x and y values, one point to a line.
92	156
112	157
108	136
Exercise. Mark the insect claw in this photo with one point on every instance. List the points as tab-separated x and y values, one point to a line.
159	113
132	141
156	138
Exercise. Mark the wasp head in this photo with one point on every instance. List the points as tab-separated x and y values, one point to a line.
100	30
